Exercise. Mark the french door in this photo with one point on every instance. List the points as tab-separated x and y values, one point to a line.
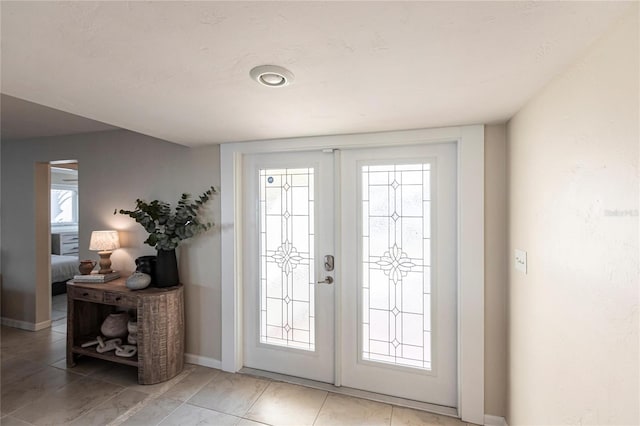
392	288
288	315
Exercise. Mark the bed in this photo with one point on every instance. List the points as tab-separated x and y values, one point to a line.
63	268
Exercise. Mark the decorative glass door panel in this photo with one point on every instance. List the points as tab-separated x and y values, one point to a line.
399	309
396	264
288	316
287	259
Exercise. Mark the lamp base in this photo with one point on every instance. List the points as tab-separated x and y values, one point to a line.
105	262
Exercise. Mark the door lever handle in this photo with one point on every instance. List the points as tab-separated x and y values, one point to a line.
327	280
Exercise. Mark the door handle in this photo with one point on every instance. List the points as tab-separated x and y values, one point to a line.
327	280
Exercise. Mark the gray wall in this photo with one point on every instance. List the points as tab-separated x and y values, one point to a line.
115	168
573	160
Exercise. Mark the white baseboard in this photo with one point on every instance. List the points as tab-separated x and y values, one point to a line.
203	361
24	325
490	420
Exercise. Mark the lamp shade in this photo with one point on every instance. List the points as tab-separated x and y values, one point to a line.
104	240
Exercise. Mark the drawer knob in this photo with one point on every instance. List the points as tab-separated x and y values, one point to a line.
118	298
85	294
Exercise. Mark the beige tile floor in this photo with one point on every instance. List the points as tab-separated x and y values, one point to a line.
37	389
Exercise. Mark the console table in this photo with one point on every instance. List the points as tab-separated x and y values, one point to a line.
160	316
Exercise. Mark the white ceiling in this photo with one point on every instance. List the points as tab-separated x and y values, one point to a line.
180	70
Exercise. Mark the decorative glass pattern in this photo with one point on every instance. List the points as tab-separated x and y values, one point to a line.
287	257
396	264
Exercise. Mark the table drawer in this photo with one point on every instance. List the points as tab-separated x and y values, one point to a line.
87	294
120	299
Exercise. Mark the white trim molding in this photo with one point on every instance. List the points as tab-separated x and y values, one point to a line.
202	361
471	274
490	420
25	325
470	144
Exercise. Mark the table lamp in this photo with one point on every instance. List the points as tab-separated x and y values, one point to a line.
104	242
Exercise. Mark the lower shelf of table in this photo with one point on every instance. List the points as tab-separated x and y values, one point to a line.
109	356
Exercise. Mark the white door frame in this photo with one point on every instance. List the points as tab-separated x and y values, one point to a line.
470	177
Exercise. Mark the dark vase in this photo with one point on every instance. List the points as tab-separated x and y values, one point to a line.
166	269
147	265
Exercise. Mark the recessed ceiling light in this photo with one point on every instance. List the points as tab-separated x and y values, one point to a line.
271	75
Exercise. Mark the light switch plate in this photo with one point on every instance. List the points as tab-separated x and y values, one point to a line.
520	260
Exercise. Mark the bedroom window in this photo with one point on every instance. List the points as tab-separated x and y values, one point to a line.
64	205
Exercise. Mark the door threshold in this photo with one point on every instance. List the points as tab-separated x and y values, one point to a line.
343	390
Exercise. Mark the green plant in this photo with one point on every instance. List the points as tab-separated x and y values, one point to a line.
167	229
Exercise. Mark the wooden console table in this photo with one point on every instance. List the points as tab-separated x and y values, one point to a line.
160	316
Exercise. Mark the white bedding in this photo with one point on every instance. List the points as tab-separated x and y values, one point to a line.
63	268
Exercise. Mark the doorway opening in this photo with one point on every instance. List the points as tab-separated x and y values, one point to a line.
63	235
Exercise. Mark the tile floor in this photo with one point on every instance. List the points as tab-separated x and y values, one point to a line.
37	389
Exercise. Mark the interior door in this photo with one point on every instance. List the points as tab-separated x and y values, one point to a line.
288	291
399	328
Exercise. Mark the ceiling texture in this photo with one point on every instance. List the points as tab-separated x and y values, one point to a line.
179	71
